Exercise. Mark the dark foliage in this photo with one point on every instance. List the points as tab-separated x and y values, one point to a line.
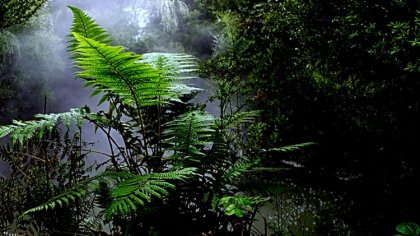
344	75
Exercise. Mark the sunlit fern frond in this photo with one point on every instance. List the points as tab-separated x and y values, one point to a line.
174	67
20	131
172	64
138	81
85	26
188	134
110	69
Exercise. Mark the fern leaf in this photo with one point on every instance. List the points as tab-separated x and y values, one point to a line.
237	170
112	70
63	199
21	131
173	67
188	134
239	118
85	26
131	191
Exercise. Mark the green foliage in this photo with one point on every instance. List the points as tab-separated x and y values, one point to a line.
118	72
133	87
62	200
408	228
86	27
172	65
187	135
342	74
126	192
9	44
41	169
165	158
13	12
132	191
238	170
239	205
21	131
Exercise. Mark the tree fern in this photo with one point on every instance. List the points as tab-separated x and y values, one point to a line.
170	65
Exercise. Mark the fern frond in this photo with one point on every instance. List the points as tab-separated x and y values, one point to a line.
188	134
85	26
125	191
64	199
173	67
239	118
238	169
110	69
91	226
20	131
132	191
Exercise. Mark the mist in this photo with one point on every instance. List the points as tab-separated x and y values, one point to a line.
46	71
45	61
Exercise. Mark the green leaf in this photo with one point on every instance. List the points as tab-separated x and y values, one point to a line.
22	131
408	228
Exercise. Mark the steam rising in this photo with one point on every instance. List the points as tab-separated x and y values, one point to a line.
43	64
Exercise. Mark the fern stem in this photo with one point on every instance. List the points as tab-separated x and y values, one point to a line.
81	19
111	147
159	142
189	136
